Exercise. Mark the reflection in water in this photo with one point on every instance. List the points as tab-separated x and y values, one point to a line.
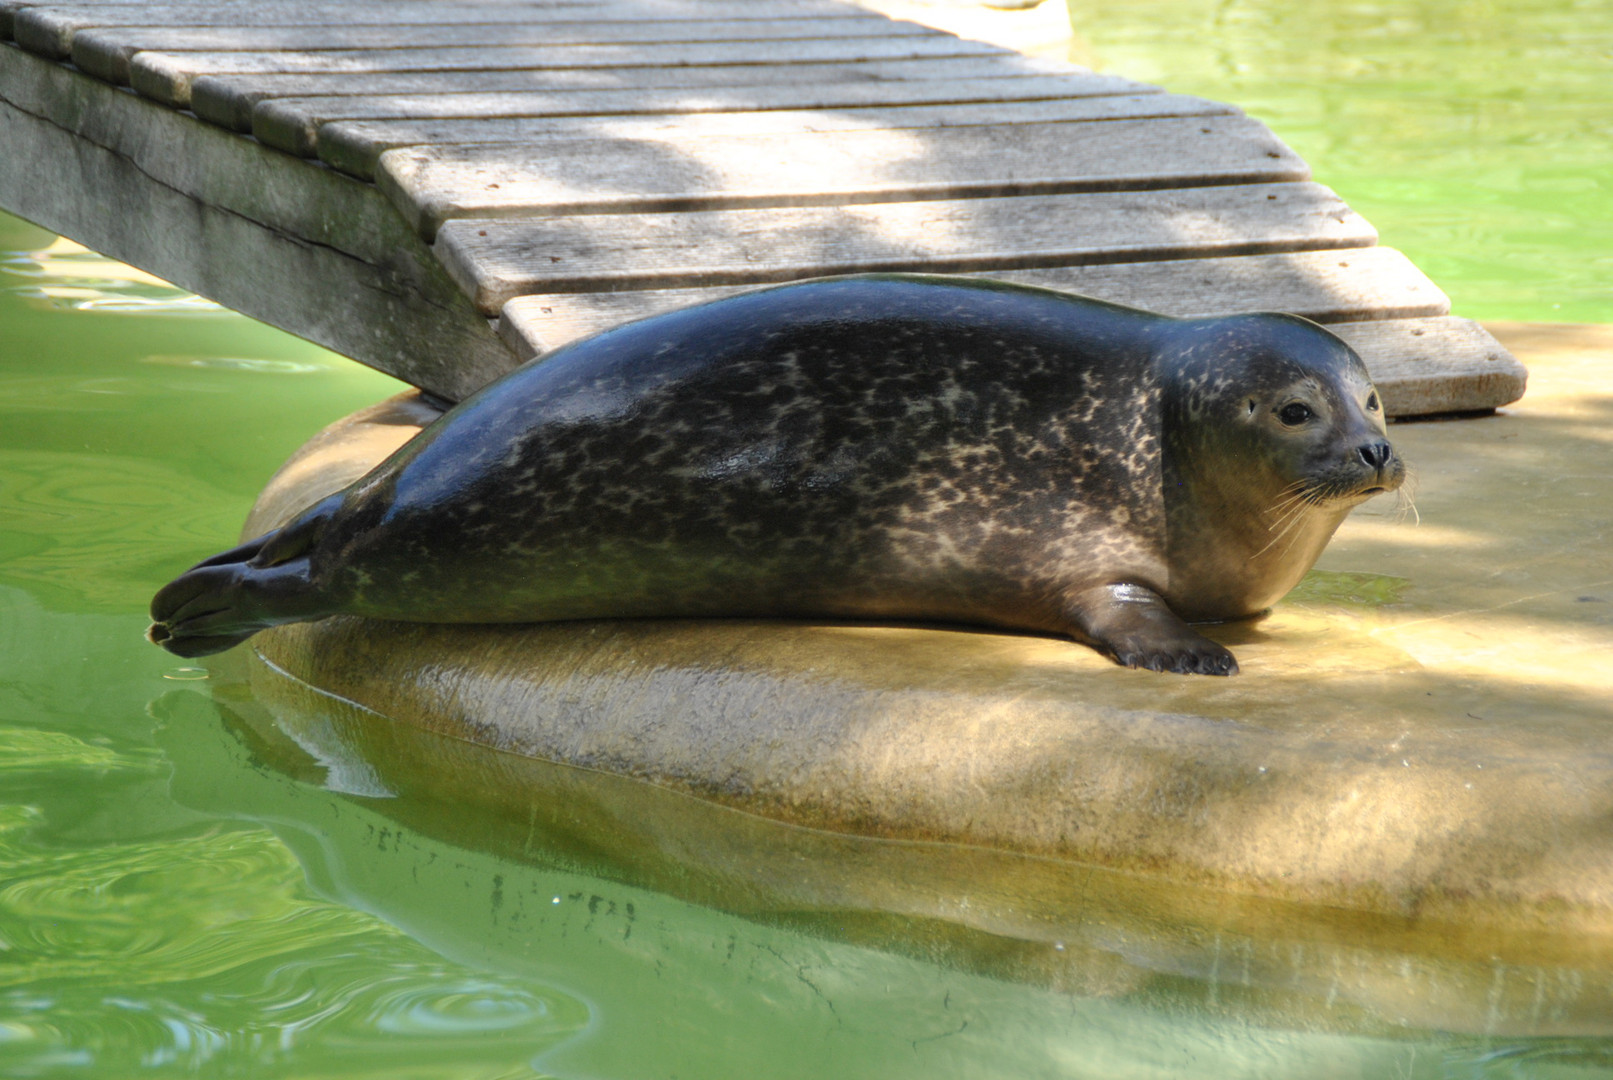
711	943
238	363
69	277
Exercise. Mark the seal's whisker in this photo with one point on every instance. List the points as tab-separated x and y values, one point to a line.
1287	518
1269	545
1294	539
1408	505
1291	526
1283	506
1407	499
1284	510
1289	495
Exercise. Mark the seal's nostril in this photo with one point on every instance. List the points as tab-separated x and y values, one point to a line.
1376	454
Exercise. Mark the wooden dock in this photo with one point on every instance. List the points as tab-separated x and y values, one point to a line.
443	189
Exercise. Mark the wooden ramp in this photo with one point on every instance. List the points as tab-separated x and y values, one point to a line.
442	189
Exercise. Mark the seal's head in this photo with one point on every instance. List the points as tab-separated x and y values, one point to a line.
1273	433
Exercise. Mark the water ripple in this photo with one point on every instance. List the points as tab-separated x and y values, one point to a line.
24	749
80	522
205	955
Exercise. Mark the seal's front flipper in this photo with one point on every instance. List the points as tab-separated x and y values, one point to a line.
1134	625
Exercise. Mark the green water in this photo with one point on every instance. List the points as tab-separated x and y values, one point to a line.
172	905
1477	135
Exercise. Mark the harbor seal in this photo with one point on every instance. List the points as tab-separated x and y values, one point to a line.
884	447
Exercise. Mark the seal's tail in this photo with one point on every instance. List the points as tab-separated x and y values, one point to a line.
224	600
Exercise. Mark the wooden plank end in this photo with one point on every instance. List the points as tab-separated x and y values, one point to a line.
285	128
222	103
1426	367
161	78
43	32
103	56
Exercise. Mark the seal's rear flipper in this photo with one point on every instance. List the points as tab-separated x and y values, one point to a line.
189	647
226	599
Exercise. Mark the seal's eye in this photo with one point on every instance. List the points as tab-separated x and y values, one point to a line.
1295	414
1372	401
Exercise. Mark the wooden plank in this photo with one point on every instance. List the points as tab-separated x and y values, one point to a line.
665	170
228	100
305	249
105	52
166	76
1324	286
292	124
1424	367
51	27
495	261
355	146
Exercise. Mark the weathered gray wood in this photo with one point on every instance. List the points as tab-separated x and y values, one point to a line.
1421	365
105	52
301	248
49	28
355	146
166	76
667	171
292	124
278	239
1325	286
1427	366
495	261
228	100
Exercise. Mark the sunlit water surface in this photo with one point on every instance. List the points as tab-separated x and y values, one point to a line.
1477	135
169	906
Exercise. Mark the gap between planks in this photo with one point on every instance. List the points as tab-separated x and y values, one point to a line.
662	172
495	261
49	28
105	52
1324	286
355	147
167	76
293	124
228	100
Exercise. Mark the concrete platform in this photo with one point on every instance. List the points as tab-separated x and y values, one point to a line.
1420	744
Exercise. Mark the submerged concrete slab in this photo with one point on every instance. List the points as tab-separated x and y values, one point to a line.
1422	732
401	805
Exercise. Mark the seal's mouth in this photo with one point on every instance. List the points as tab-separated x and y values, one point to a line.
1352	489
1379	485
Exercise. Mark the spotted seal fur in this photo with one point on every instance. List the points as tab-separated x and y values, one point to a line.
888	447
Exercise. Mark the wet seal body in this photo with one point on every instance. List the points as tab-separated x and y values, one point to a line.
887	447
